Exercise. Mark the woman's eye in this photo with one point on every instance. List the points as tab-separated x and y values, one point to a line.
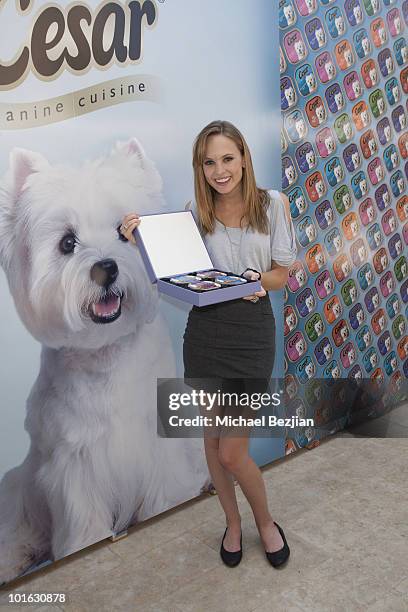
67	244
228	159
209	162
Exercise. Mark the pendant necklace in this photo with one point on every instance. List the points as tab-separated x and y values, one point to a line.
235	248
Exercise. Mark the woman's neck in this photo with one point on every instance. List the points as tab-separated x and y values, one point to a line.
230	202
230	208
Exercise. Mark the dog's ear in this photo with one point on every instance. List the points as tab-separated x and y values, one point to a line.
130	149
22	164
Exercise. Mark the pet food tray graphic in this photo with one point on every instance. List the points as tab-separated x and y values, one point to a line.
344	86
171	246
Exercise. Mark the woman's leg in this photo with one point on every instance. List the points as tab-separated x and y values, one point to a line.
234	457
223	482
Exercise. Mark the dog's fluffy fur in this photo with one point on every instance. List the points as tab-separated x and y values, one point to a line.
95	463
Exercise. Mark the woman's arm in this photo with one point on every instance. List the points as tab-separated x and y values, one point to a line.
277	277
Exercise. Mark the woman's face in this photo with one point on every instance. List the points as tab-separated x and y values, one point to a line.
223	163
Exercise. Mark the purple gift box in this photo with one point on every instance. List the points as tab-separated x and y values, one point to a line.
171	245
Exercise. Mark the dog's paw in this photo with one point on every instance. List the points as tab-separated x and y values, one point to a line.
20	549
14	563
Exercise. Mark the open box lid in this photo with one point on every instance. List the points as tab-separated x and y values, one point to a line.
171	244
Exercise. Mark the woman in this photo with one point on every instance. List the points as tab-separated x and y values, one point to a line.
245	229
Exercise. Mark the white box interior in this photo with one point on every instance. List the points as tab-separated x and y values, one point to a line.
173	244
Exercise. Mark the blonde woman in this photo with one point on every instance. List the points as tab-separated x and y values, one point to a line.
247	231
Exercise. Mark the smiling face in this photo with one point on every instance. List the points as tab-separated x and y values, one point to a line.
320	113
339	99
310	303
337	242
291	321
319	188
347	200
300	127
300	49
338	173
223	165
362	253
79	284
376	300
340	25
348	57
300	204
355	158
300	277
311	159
289	14
395	93
373	76
328	351
396	306
363	186
311	82
356	88
328	214
310	232
320	37
348	130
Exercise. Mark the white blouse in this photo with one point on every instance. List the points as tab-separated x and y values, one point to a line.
234	249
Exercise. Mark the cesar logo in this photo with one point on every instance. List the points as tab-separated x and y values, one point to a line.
56	30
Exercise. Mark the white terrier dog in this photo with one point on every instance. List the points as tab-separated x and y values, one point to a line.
95	464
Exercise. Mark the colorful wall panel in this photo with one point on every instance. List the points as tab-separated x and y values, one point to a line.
344	85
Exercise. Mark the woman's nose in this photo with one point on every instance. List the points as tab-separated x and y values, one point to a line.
219	167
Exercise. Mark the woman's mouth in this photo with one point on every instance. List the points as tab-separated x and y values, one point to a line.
223	181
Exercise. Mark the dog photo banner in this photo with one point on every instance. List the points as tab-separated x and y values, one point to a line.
99	108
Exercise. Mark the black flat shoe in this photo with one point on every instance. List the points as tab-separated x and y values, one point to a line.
232	559
279	557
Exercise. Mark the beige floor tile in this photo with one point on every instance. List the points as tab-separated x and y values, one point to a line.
391	602
338	586
278	603
70	573
252	583
402	586
157	531
148	578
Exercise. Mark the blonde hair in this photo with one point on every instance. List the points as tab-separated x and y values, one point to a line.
256	199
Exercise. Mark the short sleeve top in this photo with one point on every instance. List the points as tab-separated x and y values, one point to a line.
234	249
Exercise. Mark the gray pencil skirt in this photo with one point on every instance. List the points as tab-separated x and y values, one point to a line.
232	341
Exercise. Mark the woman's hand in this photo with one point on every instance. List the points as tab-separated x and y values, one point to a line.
252	275
255	296
128	226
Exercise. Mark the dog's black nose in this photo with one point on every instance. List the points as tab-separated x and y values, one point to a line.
105	272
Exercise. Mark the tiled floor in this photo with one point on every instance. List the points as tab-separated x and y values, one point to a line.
343	506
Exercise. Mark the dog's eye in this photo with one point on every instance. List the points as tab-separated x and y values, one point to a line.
120	235
67	244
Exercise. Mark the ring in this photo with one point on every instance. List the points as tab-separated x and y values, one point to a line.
125	226
255	299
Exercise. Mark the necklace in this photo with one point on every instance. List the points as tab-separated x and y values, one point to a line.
235	249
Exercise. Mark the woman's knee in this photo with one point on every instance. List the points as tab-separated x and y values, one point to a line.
232	459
